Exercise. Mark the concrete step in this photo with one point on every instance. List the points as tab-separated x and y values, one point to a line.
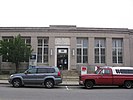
70	83
4	77
70	78
69	73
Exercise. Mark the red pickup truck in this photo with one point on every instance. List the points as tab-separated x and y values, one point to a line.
119	76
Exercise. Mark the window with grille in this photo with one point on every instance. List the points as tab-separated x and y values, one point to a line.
99	50
82	50
7	39
117	50
42	52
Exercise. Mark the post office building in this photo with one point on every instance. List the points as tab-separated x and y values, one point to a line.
69	47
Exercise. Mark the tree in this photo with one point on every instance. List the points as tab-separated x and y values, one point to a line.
15	51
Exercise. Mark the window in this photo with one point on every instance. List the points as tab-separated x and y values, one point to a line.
97	71
99	50
8	39
51	70
105	71
82	50
42	70
42	52
46	70
27	40
31	71
117	52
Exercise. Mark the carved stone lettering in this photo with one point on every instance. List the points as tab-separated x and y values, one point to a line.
62	41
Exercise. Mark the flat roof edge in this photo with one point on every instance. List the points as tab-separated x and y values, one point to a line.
64	28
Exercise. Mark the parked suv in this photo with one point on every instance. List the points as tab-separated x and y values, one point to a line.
47	76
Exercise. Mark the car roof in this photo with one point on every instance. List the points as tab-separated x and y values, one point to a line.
43	66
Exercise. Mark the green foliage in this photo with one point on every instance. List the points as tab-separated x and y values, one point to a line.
15	51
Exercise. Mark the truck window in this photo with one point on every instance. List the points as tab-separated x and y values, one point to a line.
105	71
97	71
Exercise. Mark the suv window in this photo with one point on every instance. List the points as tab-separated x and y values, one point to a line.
41	70
56	69
46	70
31	71
51	70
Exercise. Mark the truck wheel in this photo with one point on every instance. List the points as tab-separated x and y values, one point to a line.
49	83
89	84
128	84
17	83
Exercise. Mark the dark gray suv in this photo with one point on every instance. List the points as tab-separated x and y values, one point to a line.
47	76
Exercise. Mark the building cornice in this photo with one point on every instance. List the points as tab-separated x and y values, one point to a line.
131	31
66	29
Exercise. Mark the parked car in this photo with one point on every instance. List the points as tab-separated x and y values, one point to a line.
45	75
119	76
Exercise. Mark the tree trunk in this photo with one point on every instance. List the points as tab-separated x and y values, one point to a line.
17	67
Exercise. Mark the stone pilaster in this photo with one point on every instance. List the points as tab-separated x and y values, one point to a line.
91	51
108	51
126	52
73	53
51	51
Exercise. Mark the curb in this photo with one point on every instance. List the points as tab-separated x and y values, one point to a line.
4	81
62	84
68	85
57	85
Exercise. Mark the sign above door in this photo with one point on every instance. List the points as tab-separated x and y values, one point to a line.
62	41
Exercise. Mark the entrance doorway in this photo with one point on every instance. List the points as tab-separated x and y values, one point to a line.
62	58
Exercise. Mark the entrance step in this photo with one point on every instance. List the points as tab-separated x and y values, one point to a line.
71	75
70	78
4	77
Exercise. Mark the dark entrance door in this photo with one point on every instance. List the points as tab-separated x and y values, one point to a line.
62	58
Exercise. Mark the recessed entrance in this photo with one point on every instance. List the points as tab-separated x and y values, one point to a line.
62	58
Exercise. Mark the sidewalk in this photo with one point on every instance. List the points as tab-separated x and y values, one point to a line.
4	82
64	83
70	83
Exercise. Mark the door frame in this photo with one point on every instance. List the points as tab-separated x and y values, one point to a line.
57	47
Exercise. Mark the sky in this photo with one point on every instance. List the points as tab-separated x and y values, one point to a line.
82	13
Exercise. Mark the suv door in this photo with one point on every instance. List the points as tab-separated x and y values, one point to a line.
29	76
43	73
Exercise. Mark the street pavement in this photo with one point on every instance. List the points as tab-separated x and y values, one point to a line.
7	92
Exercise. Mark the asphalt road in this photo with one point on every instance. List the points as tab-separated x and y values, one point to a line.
7	92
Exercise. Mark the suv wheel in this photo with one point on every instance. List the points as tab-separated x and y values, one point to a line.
49	83
89	84
17	83
128	84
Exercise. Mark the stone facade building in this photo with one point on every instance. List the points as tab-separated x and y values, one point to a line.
70	47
